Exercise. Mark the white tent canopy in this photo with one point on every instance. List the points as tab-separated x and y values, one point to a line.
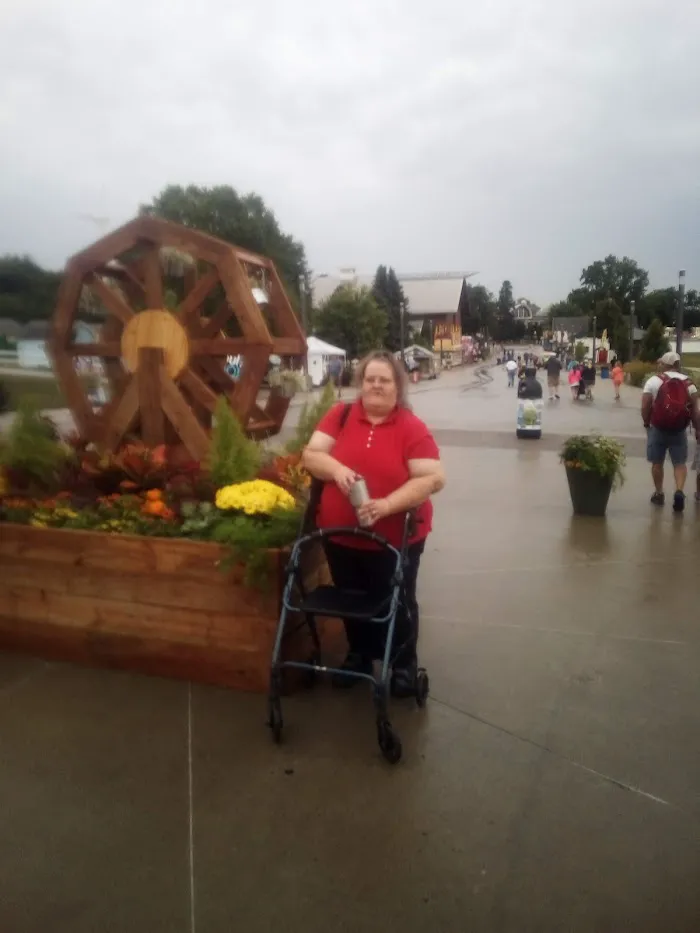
316	345
318	358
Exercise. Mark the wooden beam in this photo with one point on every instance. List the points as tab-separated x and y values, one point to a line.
148	379
111	332
253	259
182	418
194	299
225	346
153	277
66	307
73	391
122	416
245	395
216	322
198	389
240	297
110	299
285	320
109	349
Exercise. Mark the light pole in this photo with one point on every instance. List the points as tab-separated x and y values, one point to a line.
595	325
679	313
631	333
402	333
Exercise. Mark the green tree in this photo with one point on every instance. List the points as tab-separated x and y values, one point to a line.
479	310
691	314
654	343
352	320
505	298
661	303
563	309
623	280
388	294
27	292
244	220
580	351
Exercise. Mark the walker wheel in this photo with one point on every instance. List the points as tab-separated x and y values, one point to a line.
389	743
275	721
422	687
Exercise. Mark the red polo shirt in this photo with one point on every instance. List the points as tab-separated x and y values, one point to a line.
380	453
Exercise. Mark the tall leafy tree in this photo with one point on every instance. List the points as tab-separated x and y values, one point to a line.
27	292
389	296
654	343
479	310
352	320
244	220
661	303
505	298
623	280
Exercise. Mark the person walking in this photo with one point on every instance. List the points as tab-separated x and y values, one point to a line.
553	377
574	379
511	369
378	438
669	406
618	377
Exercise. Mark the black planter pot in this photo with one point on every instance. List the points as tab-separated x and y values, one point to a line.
589	491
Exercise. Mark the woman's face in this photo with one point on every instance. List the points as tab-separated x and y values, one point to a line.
379	389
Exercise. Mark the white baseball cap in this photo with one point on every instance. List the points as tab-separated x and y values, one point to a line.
670	359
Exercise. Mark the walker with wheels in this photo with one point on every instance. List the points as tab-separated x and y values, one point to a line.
333	602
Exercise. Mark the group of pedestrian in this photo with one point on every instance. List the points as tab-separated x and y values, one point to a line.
581	378
669	409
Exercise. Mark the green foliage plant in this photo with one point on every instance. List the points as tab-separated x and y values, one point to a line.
309	417
32	455
233	457
595	453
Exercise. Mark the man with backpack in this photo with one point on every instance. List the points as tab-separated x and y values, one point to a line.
669	406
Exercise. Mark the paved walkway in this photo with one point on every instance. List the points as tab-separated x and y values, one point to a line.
551	786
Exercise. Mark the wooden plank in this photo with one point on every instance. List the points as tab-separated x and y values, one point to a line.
226	346
152	277
245	395
66	307
217	321
109	246
285	320
182	418
199	390
122	416
110	299
276	408
74	392
240	298
105	349
193	300
253	259
148	380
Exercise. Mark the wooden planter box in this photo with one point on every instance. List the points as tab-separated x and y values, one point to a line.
156	605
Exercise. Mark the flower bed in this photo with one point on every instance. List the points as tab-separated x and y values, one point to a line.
143	561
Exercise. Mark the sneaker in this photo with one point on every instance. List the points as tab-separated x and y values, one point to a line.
678	501
556	397
354	663
658	498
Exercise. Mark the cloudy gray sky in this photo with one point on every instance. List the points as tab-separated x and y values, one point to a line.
520	138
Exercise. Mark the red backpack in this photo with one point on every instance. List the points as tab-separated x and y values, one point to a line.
671	410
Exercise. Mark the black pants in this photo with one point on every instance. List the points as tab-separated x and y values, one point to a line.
371	572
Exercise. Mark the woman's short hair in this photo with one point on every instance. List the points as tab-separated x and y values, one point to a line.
397	368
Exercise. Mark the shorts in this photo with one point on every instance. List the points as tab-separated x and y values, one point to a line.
553	382
659	443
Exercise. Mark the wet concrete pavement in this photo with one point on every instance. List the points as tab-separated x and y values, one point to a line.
551	785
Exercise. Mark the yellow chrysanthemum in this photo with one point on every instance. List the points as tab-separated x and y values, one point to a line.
257	497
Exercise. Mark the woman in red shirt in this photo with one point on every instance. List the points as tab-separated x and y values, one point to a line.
380	439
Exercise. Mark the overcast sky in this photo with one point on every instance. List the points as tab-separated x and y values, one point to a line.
522	139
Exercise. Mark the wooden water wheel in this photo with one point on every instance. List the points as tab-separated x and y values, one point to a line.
164	350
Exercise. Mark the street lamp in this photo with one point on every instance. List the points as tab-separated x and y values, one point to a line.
631	334
679	312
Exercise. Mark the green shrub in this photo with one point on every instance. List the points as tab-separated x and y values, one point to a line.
580	351
233	457
638	372
654	343
32	454
308	419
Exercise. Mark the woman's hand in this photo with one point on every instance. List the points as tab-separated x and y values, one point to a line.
373	511
344	477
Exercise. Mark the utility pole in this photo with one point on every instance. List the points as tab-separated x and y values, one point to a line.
304	325
402	332
679	313
595	326
631	333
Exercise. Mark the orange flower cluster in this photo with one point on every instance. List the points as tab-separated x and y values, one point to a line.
156	506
